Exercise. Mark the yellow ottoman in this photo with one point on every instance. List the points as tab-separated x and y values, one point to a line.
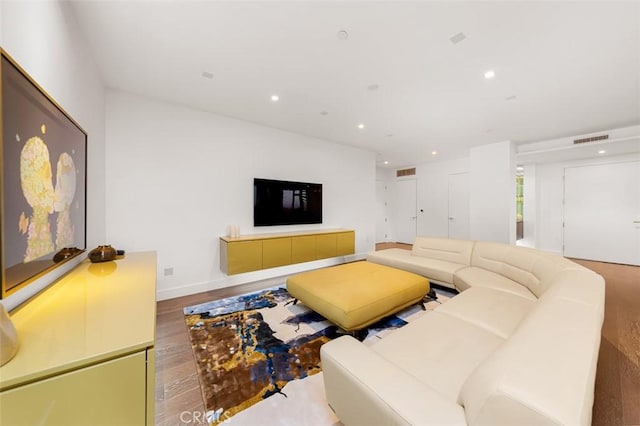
355	295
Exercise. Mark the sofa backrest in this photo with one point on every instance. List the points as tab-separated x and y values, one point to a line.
532	268
456	251
544	374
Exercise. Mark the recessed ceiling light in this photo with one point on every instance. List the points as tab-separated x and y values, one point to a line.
360	126
373	87
324	113
275	98
602	151
519	169
510	98
489	74
434	152
386	162
207	74
389	135
342	35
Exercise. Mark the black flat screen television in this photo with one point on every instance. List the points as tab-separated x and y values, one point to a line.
277	202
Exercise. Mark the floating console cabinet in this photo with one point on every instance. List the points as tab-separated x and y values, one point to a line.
86	353
248	253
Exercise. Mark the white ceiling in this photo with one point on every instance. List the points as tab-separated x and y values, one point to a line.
573	67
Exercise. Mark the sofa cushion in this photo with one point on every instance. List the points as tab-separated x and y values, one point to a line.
515	263
493	310
545	372
547	269
364	388
448	250
436	270
530	267
478	277
580	285
439	350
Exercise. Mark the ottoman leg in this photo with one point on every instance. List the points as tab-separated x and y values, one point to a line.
432	294
360	334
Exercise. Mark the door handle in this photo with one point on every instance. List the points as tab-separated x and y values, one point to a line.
451	217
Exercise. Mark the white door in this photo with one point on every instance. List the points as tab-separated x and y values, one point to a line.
382	216
602	212
459	206
406	211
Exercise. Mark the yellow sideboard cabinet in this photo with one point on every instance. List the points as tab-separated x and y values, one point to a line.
262	251
86	353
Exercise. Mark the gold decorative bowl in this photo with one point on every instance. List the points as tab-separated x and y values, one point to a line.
102	254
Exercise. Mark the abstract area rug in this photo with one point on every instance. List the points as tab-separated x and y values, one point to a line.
260	345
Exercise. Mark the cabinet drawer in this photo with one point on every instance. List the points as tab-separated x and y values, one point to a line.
346	243
244	256
276	252
110	393
326	246
303	249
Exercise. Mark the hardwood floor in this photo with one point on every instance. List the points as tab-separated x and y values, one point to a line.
617	394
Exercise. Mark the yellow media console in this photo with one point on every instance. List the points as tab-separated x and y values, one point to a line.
86	353
262	251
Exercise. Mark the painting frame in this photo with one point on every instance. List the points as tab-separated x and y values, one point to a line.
43	181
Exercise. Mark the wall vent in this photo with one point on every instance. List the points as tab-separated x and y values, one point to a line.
591	139
406	172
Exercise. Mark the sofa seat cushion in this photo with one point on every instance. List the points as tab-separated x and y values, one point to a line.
440	271
363	388
478	277
545	372
439	350
493	310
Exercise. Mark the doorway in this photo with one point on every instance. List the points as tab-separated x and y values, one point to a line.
602	212
406	211
519	203
382	210
458	209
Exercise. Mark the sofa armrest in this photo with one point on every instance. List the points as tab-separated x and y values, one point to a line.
364	389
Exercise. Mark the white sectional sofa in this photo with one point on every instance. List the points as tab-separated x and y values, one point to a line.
518	346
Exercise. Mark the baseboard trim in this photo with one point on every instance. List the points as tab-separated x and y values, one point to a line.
234	280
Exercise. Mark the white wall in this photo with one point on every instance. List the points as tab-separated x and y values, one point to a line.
44	40
178	177
492	192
